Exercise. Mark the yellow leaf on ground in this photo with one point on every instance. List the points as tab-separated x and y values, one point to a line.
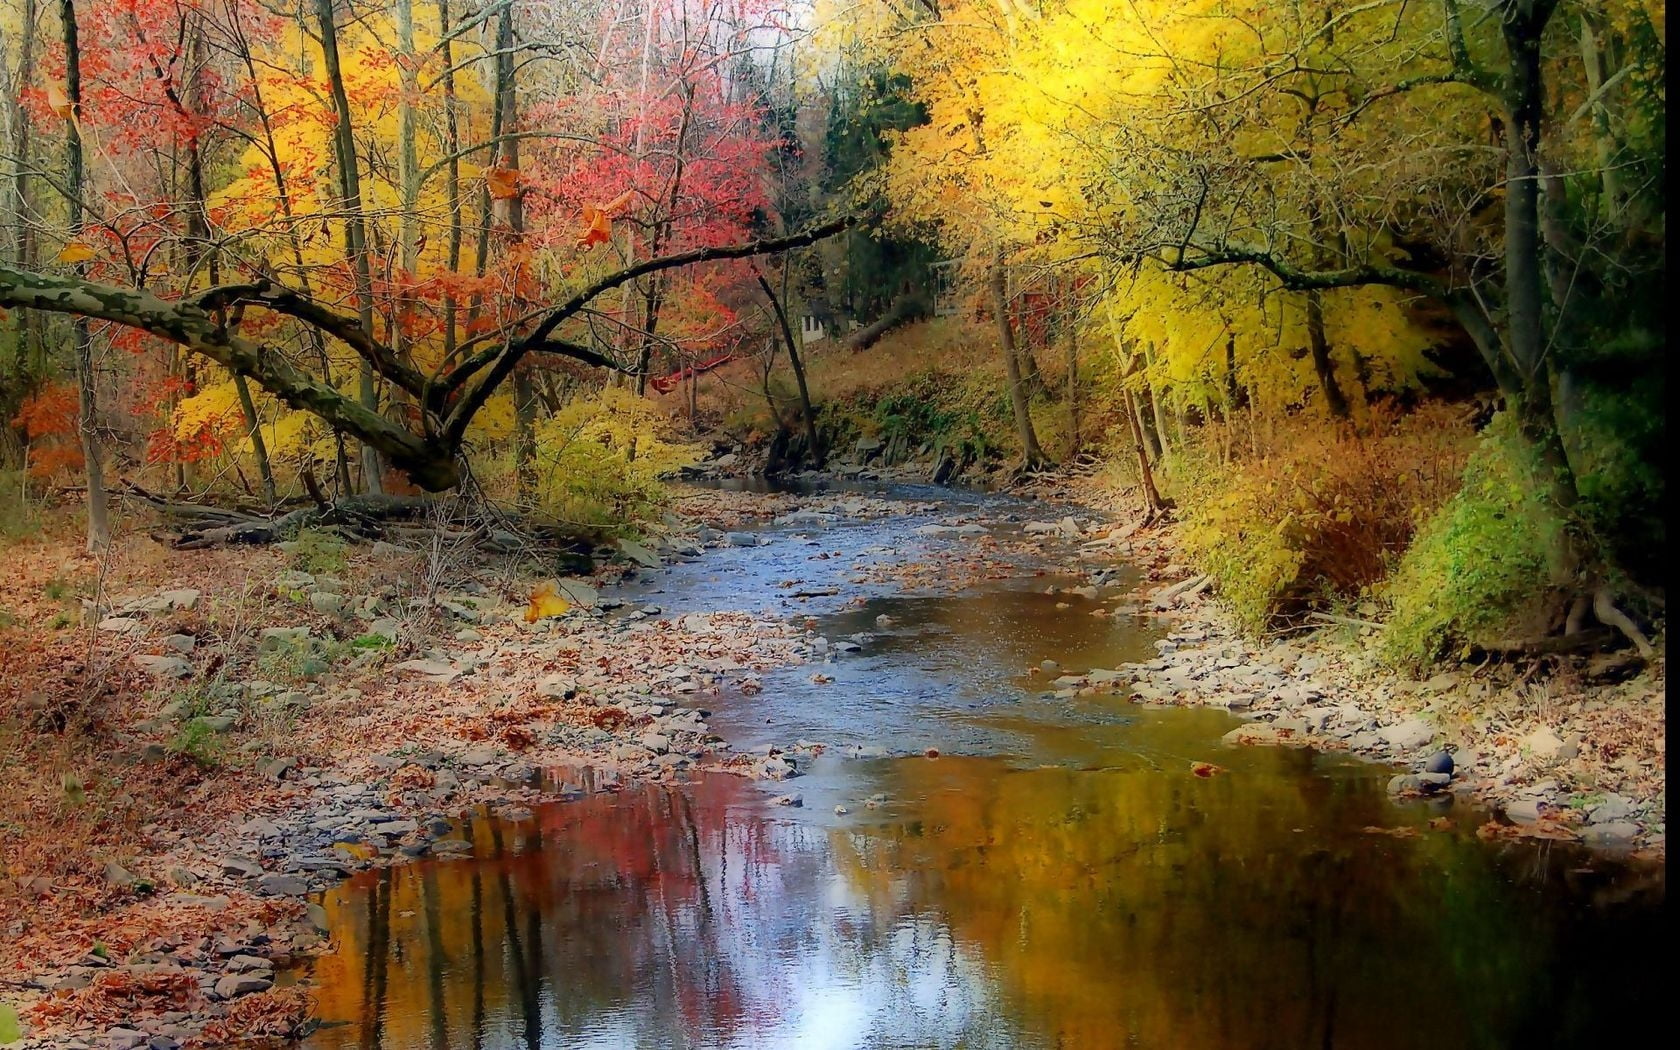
546	602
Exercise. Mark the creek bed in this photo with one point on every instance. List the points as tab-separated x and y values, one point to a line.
1055	877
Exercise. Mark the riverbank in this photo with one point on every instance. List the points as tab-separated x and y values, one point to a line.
1572	751
275	720
244	732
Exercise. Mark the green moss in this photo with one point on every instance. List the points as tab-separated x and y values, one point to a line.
1482	562
319	552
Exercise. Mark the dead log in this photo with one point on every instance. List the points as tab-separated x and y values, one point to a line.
361	515
906	308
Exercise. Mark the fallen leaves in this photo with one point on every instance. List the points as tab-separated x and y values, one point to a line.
546	602
1206	769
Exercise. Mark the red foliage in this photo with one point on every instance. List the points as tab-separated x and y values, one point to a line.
48	420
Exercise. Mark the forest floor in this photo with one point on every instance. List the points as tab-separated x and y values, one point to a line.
245	727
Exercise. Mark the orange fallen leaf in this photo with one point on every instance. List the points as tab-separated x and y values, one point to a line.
502	183
1206	769
546	602
76	252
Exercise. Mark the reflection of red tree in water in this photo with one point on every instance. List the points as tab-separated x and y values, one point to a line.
670	865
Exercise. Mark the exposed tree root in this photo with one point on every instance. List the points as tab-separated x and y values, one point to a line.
1604	607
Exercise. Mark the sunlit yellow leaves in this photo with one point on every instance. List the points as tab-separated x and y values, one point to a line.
76	252
546	602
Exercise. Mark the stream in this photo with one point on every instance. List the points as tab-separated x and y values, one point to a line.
1054	877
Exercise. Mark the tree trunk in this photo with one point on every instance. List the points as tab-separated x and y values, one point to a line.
1524	25
355	226
1146	477
812	448
507	151
1072	338
98	521
1032	456
24	370
1319	345
259	447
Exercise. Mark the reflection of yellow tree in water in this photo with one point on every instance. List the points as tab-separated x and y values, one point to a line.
1139	909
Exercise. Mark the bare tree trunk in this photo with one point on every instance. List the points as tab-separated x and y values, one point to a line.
1319	346
812	449
1074	442
1146	477
524	390
1032	456
98	520
355	226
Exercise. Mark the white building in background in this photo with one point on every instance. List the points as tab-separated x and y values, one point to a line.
811	330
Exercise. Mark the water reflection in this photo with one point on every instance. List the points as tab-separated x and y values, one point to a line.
1121	906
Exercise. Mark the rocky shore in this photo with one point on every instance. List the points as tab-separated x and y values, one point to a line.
1578	757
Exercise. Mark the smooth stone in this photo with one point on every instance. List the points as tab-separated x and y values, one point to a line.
1611	833
233	985
164	666
1408	735
1439	762
276	884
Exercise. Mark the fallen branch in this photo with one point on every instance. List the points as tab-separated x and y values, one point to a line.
1345	621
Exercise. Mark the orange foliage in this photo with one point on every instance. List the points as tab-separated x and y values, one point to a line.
48	421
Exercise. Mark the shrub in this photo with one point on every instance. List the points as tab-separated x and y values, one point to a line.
1482	561
600	461
1301	513
19	517
319	552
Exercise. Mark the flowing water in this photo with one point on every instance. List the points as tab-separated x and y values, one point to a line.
1054	878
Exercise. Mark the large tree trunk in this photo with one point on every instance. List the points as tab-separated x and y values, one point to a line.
355	225
98	522
1032	456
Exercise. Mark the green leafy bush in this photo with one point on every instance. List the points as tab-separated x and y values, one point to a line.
1482	562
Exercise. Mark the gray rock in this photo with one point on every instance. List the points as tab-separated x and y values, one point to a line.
1524	811
1439	762
1403	783
441	670
276	884
639	554
1433	782
277	768
125	1038
234	985
1409	735
278	638
242	866
214	723
658	743
479	756
1613	808
164	666
118	876
1611	833
181	643
121	625
327	603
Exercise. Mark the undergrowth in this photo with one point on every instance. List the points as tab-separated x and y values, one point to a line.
1482	562
1291	513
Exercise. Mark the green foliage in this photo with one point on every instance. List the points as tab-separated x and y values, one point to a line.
319	552
302	659
18	516
371	642
198	743
1482	561
1311	514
